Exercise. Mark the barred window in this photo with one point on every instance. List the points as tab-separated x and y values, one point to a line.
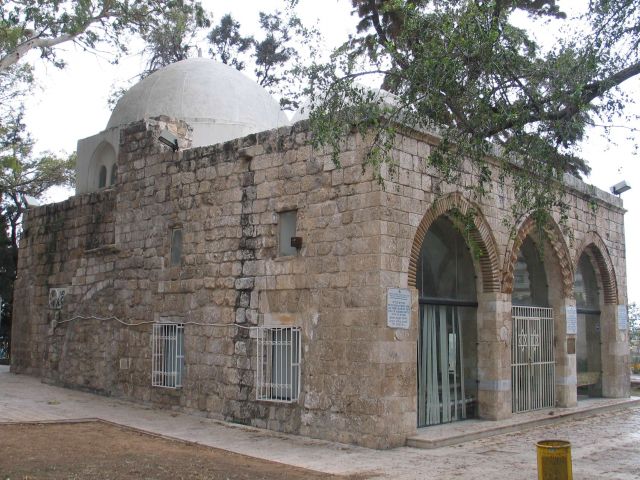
278	373
167	345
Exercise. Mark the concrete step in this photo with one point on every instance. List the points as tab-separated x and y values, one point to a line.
468	430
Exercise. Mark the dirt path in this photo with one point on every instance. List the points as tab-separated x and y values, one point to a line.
94	450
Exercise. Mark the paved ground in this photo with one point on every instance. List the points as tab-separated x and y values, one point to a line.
605	446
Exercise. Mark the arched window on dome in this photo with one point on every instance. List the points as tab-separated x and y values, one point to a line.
114	174
102	177
101	168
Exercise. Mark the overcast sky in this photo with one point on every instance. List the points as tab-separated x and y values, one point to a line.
72	104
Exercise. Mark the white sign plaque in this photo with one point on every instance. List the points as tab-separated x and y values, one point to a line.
622	317
56	298
398	308
572	320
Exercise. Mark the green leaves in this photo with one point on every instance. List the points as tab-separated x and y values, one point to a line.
22	173
463	66
170	35
227	44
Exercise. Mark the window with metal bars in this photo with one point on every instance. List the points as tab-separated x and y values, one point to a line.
278	372
167	345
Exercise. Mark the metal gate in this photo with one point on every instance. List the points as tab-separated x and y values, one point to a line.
532	359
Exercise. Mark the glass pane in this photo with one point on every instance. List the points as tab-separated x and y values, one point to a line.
586	285
286	230
529	277
447	364
176	246
102	178
446	267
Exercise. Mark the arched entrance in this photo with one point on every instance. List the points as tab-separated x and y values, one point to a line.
447	337
532	348
588	337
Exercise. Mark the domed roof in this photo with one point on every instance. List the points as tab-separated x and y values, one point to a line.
219	102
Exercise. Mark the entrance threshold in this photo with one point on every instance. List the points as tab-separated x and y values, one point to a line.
437	436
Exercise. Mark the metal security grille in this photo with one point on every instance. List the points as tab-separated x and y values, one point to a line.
532	359
167	346
278	367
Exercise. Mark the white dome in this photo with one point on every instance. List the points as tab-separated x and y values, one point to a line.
216	100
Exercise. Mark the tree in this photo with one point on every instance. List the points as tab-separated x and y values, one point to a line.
227	44
634	324
23	177
27	25
464	68
278	57
170	38
33	25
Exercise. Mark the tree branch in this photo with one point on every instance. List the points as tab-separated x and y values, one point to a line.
36	41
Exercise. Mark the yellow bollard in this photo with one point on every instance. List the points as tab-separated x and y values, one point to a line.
554	460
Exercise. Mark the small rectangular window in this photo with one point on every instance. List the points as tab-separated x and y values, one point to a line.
167	355
287	224
278	374
176	246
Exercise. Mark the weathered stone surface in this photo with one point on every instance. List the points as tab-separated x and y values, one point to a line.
112	249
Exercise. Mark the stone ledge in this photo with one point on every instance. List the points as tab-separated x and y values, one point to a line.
103	250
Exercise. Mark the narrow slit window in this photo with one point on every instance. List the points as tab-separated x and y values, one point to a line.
176	246
287	225
102	177
114	174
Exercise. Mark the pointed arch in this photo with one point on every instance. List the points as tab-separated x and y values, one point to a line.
559	246
593	244
480	235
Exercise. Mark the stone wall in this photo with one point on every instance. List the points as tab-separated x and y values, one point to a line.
358	383
61	245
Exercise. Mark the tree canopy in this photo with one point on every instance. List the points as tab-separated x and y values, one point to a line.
28	26
466	69
275	53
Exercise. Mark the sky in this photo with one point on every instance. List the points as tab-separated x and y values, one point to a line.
71	104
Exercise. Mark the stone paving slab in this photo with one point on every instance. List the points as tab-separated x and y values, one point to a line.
605	446
459	432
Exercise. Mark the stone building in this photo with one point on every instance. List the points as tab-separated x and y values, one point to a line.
245	277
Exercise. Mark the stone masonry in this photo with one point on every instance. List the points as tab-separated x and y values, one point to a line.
111	250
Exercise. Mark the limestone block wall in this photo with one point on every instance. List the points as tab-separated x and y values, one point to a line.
68	244
112	250
414	196
356	376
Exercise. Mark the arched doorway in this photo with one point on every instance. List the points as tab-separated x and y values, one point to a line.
588	337
532	352
447	338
